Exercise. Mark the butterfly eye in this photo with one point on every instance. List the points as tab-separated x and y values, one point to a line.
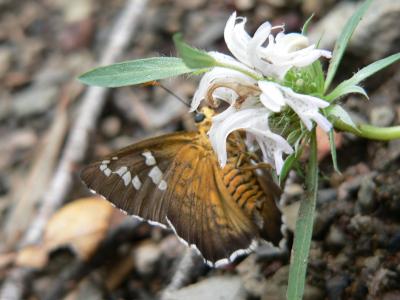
199	117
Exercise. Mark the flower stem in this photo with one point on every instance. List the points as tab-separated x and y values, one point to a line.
304	228
370	132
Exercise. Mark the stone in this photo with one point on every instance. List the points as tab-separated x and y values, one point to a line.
382	115
145	257
366	198
34	100
5	60
336	238
218	287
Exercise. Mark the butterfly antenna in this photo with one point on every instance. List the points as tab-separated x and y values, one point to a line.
156	83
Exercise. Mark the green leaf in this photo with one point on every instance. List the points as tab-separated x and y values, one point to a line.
306	24
193	58
342	42
333	150
345	90
135	72
337	113
287	166
304	228
350	85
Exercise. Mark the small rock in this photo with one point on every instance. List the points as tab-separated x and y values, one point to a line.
394	243
326	196
34	100
290	213
5	60
361	224
316	7
372	263
365	197
146	256
219	287
111	126
336	285
335	239
244	4
382	115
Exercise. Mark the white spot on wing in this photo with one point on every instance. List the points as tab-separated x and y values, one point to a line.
121	171
126	178
156	175
103	167
105	162
150	160
136	183
107	172
163	185
114	157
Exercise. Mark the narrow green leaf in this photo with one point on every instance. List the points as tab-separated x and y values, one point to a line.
306	24
348	85
342	42
345	90
135	72
287	166
193	58
333	150
304	227
336	112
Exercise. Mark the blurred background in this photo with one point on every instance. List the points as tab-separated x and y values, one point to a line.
58	242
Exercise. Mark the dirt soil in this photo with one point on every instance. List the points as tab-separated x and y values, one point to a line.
58	242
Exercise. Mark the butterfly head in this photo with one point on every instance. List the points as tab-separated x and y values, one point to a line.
203	119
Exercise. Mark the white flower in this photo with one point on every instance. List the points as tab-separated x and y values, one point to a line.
281	54
274	96
252	101
254	121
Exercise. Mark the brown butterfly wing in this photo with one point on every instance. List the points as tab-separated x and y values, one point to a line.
194	202
135	200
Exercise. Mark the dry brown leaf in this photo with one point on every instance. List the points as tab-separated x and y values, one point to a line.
80	225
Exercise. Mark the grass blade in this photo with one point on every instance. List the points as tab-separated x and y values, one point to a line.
304	227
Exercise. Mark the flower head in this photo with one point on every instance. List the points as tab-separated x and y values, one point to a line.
276	58
245	83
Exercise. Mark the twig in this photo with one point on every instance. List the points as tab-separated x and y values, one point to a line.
77	143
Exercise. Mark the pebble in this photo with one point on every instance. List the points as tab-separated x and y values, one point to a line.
382	116
111	126
146	256
5	60
34	100
218	287
336	286
366	198
336	239
244	4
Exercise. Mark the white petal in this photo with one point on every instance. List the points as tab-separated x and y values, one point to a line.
269	103
321	121
242	119
219	75
236	37
271	91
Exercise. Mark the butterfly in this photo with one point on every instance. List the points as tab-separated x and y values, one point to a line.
175	181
